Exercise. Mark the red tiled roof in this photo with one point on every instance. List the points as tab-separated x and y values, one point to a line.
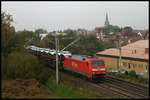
133	50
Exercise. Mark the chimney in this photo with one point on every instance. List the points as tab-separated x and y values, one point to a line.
146	50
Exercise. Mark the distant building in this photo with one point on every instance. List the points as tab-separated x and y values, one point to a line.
107	30
139	34
135	56
143	32
43	35
100	33
84	32
100	36
106	21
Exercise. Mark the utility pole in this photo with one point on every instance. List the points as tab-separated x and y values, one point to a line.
57	58
57	49
120	51
56	41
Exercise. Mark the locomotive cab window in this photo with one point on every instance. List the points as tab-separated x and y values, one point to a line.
97	63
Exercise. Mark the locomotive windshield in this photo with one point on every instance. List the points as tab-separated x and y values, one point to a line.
97	63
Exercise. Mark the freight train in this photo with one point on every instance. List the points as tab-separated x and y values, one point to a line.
91	68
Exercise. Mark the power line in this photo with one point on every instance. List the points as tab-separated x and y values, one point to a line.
70	44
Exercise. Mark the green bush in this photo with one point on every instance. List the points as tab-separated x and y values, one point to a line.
42	76
23	65
132	74
3	66
126	73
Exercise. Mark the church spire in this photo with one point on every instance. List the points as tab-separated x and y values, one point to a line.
106	21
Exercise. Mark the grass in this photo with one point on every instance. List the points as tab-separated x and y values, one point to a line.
70	90
60	91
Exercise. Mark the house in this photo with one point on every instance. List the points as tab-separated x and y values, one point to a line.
43	35
84	32
135	56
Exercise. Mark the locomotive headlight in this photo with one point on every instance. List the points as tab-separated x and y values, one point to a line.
102	69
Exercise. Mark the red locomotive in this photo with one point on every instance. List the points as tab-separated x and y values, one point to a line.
92	68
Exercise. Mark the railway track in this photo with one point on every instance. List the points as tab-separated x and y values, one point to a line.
135	88
109	87
125	89
129	83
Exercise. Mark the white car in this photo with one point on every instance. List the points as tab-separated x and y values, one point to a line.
66	53
33	48
52	52
37	49
41	50
47	51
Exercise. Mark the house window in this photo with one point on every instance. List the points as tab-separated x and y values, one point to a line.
140	65
134	65
124	64
145	67
129	65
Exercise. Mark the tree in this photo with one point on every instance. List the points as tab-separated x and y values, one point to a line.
40	30
109	44
49	41
22	38
37	37
7	32
128	28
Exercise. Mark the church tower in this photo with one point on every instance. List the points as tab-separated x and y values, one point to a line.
106	21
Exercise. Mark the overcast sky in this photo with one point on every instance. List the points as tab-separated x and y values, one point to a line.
63	15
